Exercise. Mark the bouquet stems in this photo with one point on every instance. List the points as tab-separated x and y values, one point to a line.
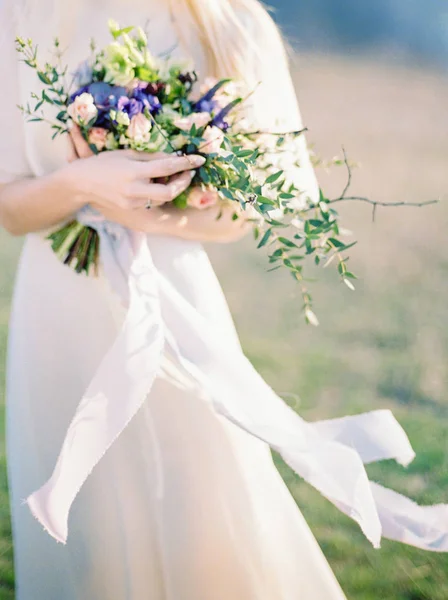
77	245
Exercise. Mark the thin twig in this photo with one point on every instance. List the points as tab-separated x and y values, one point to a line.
373	203
378	203
277	134
349	174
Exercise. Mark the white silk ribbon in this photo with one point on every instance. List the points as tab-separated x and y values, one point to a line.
330	455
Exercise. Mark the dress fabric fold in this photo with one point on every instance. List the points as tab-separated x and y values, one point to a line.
329	455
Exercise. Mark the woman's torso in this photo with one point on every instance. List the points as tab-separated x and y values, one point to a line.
184	263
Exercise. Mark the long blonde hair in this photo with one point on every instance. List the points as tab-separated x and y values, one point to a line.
239	39
229	31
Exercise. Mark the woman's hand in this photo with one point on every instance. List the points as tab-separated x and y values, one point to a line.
124	179
165	219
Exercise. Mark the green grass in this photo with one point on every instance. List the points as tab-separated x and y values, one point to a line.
386	345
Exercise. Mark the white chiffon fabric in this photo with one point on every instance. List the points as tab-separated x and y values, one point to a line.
129	395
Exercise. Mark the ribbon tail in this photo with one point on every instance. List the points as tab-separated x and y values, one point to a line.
329	455
113	397
375	436
403	520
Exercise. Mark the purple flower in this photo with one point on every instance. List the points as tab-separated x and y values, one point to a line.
105	95
131	106
219	119
152	103
103	119
205	105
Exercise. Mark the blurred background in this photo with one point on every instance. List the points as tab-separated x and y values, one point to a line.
372	77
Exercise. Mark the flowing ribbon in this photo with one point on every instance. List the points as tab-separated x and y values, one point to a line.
330	455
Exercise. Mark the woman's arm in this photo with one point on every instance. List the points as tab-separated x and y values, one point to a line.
214	224
113	180
35	204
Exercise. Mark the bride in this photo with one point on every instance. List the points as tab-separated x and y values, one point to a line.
148	425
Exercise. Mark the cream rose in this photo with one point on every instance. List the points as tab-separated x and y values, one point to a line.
139	129
83	110
213	138
200	119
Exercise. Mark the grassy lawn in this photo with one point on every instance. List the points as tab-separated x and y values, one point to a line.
386	345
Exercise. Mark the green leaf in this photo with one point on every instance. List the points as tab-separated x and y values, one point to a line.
227	193
264	200
62	116
322	197
336	243
277	253
348	246
274	177
203	174
264	240
264	208
43	78
341	268
244	153
287	242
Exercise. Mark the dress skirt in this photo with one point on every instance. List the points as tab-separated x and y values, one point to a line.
184	505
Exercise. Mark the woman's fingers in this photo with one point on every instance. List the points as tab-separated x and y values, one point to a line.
164	167
158	193
143	156
81	146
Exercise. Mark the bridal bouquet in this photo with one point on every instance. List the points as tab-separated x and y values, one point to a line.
124	97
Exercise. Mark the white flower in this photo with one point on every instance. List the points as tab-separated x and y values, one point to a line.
199	119
111	142
213	138
178	141
83	110
122	118
118	64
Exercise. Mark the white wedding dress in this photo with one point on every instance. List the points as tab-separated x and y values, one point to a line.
185	504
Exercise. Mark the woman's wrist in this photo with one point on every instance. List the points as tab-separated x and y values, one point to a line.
63	182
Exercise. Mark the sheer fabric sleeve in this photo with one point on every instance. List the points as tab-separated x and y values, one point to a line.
13	160
274	104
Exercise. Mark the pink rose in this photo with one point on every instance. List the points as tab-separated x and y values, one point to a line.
200	119
213	138
202	198
139	128
83	110
97	137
